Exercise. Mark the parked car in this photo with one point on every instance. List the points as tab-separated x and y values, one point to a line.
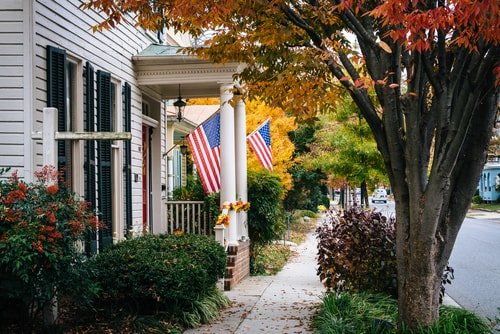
380	195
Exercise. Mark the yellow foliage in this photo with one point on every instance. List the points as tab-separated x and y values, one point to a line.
204	101
282	147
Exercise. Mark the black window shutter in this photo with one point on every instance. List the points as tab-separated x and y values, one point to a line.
127	155
90	162
104	123
56	97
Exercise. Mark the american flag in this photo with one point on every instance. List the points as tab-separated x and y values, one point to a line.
260	142
204	143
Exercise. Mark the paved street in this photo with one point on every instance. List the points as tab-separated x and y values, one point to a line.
476	260
388	209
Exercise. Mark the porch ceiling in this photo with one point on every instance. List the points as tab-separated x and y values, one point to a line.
162	68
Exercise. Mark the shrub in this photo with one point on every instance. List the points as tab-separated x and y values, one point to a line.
454	320
159	273
266	216
357	252
347	313
193	191
308	189
476	199
40	225
205	309
305	213
271	259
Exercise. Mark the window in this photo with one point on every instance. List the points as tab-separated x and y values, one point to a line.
145	109
64	93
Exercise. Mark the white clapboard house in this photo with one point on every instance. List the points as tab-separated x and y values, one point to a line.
124	80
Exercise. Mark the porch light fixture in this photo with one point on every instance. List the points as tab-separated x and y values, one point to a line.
180	105
183	148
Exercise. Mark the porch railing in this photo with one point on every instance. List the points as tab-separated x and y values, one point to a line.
188	216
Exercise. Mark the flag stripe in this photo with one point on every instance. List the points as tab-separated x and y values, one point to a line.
200	157
260	142
204	143
262	151
208	161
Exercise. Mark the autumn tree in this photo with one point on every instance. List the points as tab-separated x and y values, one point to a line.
309	184
344	148
282	147
432	64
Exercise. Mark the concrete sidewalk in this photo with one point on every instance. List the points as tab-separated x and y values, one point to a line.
483	214
281	304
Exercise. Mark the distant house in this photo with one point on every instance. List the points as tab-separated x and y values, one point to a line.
123	80
489	184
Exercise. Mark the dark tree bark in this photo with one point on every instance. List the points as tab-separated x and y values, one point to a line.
364	195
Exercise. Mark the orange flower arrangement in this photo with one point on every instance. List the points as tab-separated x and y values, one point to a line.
223	218
178	231
236	206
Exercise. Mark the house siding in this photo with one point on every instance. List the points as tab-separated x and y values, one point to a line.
27	27
11	85
61	23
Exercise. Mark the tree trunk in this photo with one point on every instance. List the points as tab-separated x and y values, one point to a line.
418	270
419	296
342	198
428	222
364	195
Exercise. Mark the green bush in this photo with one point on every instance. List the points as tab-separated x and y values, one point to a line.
270	259
41	225
205	309
305	213
193	191
266	215
454	320
308	190
476	199
346	313
167	273
353	313
356	252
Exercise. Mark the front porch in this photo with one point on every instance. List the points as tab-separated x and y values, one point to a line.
161	69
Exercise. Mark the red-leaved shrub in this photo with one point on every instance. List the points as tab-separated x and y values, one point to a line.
356	251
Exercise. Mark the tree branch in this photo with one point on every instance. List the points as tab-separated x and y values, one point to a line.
471	93
301	23
358	28
433	78
465	176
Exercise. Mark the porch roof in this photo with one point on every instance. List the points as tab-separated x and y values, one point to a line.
162	68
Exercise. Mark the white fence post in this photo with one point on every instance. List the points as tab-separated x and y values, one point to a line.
49	136
50	310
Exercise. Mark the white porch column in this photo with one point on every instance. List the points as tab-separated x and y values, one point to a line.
227	159
241	165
